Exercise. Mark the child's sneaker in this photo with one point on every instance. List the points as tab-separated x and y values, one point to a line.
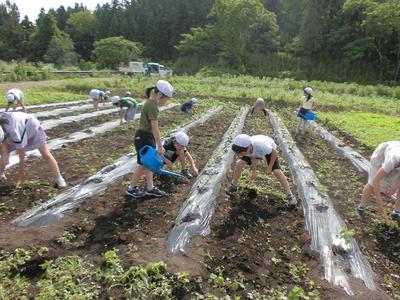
186	173
396	214
361	210
292	199
231	190
155	192
2	177
135	192
60	182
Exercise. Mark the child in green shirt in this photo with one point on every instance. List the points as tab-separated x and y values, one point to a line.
149	134
128	107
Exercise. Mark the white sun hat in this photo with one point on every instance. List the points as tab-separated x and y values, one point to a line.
10	97
308	90
194	100
165	87
242	140
182	139
115	99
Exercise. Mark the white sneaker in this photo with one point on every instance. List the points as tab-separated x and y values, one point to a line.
60	182
3	177
292	199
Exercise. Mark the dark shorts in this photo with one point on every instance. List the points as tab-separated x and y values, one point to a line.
302	112
275	166
143	138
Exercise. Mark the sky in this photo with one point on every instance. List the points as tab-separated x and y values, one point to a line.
32	7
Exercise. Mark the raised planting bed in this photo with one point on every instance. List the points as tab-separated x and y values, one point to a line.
196	213
51	105
344	183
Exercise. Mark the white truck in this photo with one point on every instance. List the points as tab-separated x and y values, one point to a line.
155	69
134	68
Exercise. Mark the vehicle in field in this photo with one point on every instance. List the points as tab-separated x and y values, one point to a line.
134	68
155	69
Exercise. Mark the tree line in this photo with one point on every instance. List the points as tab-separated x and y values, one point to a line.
310	39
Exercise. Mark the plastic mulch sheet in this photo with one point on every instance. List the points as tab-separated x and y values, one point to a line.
58	143
64	110
195	215
54	209
322	221
53	104
356	159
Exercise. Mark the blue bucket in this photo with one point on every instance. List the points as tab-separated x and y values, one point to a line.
150	159
310	115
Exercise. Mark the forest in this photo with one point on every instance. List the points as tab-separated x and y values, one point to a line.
300	39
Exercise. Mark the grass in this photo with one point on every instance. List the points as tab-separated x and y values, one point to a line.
369	128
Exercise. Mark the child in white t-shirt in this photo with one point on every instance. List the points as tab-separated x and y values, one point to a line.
249	150
15	97
384	175
307	102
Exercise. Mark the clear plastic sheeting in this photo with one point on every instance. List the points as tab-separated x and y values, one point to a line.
322	221
359	161
58	143
49	124
355	158
53	104
195	215
64	110
53	210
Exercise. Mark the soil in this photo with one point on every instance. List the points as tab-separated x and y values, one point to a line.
378	241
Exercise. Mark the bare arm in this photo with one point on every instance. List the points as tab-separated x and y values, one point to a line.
274	156
192	164
253	168
156	134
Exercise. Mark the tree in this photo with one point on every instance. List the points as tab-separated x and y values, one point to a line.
10	32
40	39
81	26
113	51
61	50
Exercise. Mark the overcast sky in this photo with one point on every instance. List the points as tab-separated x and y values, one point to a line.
32	7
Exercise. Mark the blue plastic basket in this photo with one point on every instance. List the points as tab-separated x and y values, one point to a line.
309	115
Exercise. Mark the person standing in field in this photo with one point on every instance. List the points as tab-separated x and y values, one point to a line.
306	105
253	148
149	134
15	97
128	107
22	132
259	105
383	175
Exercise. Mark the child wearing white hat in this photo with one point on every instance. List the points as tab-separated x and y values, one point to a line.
306	105
251	148
22	132
384	175
259	105
15	97
149	134
176	147
128	107
187	107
